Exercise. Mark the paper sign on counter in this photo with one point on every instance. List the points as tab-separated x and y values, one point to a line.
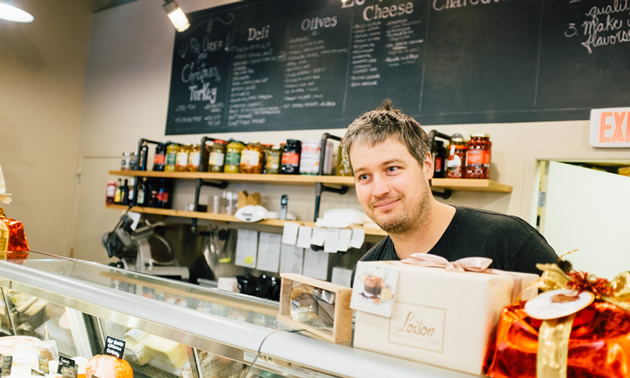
289	233
358	236
269	252
343	243
318	237
304	237
332	236
246	248
291	259
316	264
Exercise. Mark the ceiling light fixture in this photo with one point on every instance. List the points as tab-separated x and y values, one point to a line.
176	14
11	13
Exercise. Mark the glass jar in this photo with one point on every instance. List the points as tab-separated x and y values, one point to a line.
181	164
194	158
266	151
252	158
233	157
272	161
343	162
456	158
171	157
290	161
478	157
309	157
216	159
125	162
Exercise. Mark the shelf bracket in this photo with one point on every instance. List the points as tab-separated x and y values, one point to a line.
199	183
320	188
446	194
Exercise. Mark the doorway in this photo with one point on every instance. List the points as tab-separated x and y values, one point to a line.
586	206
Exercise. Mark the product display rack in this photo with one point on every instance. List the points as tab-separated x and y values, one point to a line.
228	218
470	185
232	329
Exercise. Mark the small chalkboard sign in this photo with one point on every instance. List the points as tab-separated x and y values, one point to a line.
114	347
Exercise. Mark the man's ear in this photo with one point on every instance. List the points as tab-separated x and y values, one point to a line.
428	166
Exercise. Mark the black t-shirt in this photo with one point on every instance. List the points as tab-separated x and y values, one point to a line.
510	242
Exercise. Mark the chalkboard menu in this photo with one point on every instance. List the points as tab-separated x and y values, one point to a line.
312	64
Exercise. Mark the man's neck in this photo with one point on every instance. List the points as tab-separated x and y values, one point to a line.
424	237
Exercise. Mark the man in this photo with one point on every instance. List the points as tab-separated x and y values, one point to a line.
391	159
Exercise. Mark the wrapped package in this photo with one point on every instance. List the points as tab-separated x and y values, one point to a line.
592	341
107	366
437	316
12	239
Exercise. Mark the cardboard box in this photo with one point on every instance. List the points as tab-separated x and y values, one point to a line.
437	317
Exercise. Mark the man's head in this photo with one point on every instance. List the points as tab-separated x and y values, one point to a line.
392	165
376	126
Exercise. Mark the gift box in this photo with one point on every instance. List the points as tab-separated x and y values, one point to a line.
589	340
433	315
13	244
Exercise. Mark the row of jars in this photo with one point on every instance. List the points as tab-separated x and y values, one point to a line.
233	156
463	159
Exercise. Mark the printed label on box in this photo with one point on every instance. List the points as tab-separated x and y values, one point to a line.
418	326
374	289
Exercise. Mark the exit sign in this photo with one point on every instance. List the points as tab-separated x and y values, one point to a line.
610	128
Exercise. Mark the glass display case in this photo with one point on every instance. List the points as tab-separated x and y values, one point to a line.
67	307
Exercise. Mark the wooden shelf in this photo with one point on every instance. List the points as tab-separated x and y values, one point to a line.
243	177
471	185
229	218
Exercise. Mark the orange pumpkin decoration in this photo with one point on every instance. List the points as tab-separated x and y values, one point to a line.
107	366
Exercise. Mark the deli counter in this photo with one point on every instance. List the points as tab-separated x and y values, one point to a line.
170	328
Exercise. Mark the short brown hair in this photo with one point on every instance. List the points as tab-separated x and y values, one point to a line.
376	126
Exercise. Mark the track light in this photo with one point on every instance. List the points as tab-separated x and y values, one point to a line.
176	15
11	13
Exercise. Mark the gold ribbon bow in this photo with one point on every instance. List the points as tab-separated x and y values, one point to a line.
554	334
467	264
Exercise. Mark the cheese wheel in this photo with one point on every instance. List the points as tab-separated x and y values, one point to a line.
106	366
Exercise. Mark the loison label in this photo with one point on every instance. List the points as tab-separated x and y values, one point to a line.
418	326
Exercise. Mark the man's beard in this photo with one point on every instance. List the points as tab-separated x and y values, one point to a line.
408	219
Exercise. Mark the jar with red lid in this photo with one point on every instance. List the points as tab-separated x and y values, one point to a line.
456	157
478	157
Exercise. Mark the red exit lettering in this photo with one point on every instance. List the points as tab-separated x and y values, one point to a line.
618	131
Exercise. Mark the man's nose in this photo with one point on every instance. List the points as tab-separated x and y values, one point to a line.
381	186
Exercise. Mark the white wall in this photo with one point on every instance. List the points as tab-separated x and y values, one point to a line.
42	67
126	97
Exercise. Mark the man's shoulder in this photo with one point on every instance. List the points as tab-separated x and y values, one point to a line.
491	219
380	251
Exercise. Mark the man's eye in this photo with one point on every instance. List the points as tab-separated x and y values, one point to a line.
392	169
362	177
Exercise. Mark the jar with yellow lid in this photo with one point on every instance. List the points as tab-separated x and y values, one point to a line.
194	158
171	157
216	159
233	157
272	161
343	162
181	164
252	158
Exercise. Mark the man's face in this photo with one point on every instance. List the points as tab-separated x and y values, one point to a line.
391	185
